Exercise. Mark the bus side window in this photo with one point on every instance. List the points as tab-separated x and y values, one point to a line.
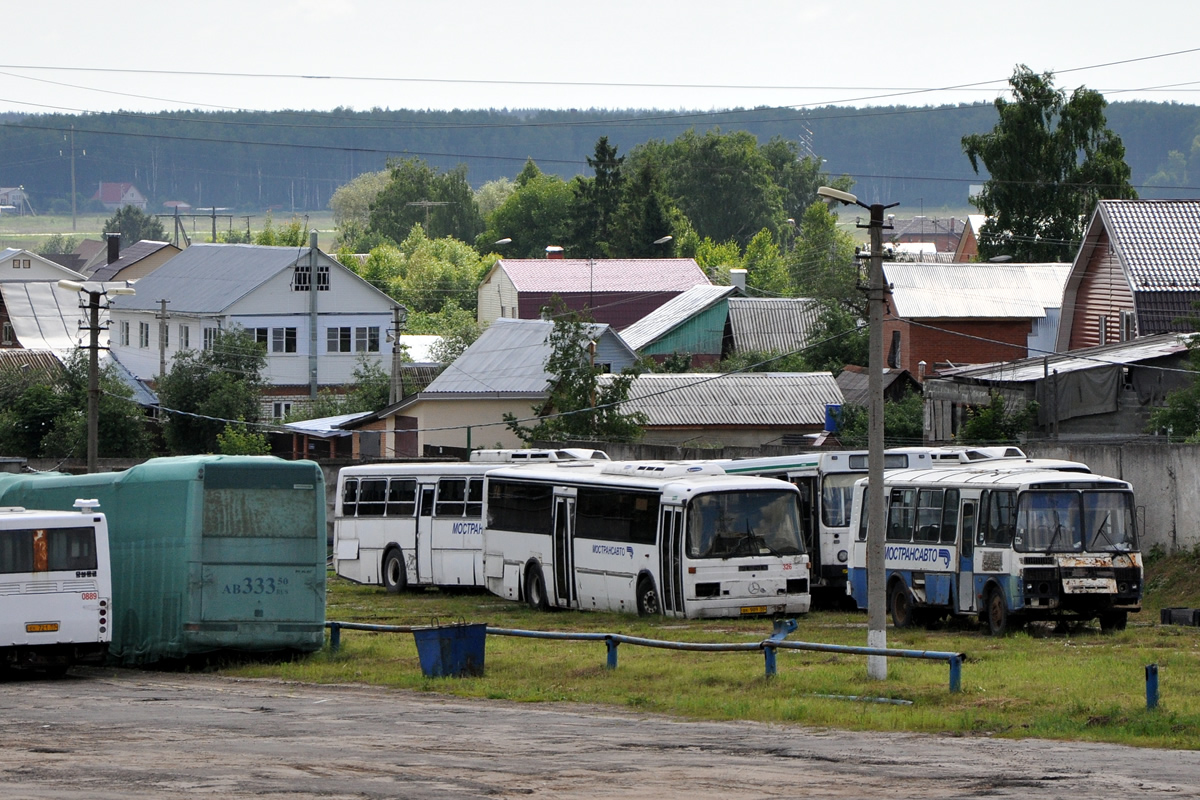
402	497
949	516
372	493
475	497
929	515
451	497
862	516
901	515
349	497
1000	518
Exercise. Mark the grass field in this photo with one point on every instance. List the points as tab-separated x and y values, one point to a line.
1073	684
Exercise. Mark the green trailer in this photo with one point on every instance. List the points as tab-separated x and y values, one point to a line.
209	553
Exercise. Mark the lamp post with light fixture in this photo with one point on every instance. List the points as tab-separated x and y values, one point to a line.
876	582
93	326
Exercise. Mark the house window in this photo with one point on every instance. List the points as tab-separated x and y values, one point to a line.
366	340
210	337
302	278
123	333
1103	330
283	340
337	340
185	337
281	409
262	336
8	333
143	334
26	264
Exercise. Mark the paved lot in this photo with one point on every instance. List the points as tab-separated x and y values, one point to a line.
130	734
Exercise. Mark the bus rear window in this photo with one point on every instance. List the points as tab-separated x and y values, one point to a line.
47	550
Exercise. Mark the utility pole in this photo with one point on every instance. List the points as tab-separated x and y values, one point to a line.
876	509
396	392
312	315
162	318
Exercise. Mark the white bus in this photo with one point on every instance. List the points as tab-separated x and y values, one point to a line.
684	540
825	480
1008	545
55	588
420	524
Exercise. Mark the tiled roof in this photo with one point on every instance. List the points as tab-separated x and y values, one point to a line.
1158	242
753	398
771	324
572	275
675	311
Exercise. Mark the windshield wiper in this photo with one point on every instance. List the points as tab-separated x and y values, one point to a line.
1100	530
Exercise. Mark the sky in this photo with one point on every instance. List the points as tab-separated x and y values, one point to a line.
75	56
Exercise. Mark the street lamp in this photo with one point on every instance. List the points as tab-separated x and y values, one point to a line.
93	326
876	578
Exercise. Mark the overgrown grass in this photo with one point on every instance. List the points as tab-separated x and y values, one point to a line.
1064	684
30	232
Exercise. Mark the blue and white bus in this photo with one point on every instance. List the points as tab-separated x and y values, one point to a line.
1008	545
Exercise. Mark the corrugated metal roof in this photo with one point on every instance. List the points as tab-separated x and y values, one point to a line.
672	313
855	385
1030	369
327	427
971	290
753	398
45	316
509	359
41	365
208	278
1158	241
771	324
573	275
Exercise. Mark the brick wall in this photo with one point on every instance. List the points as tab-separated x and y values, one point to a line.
937	342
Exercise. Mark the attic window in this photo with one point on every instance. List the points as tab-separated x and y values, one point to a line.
301	279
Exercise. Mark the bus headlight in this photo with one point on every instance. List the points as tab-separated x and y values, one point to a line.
843	556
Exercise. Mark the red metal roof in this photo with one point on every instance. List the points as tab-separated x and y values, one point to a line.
570	275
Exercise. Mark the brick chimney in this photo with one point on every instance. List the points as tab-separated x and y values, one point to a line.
554	251
114	246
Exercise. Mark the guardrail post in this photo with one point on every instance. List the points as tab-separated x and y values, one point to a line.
335	636
769	658
1151	687
611	644
955	674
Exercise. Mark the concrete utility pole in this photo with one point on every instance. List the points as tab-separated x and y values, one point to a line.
876	509
312	315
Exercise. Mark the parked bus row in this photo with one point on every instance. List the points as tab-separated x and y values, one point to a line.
582	532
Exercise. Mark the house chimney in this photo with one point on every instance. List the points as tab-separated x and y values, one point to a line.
554	251
114	246
737	277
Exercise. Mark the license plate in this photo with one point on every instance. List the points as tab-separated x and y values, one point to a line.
754	609
41	627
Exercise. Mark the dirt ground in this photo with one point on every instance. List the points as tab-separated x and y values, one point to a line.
129	734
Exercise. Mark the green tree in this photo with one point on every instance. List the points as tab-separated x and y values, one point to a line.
457	327
580	406
134	225
597	199
838	338
239	439
995	424
1179	417
369	391
766	272
351	202
646	214
56	244
492	195
537	214
205	389
722	182
416	193
903	423
822	262
1050	160
290	235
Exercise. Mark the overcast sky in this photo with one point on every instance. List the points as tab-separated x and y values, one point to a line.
80	55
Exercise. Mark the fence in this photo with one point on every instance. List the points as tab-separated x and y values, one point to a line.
612	640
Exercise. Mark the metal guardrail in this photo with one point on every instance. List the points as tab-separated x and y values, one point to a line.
612	640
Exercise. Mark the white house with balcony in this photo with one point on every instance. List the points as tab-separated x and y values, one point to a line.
268	291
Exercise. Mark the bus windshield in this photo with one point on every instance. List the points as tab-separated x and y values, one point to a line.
1070	521
752	523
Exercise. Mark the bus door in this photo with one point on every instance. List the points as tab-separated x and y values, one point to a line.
564	566
809	520
966	557
670	552
425	536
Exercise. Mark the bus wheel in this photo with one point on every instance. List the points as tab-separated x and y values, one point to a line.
647	598
997	613
395	577
1113	621
902	606
535	588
